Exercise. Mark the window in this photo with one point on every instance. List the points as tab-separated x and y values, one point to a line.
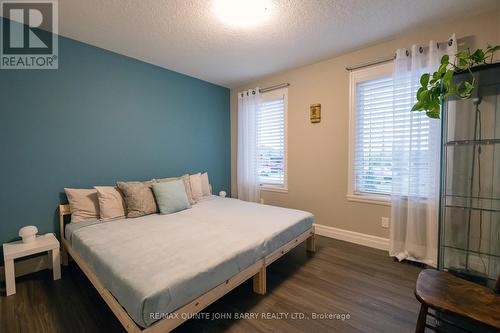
271	140
379	118
371	131
373	134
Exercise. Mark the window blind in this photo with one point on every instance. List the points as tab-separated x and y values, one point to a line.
271	142
382	120
373	147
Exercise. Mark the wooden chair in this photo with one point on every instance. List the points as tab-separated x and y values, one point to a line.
449	294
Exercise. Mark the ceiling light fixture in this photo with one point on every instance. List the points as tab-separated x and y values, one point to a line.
242	13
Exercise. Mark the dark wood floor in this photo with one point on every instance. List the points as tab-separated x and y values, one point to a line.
341	278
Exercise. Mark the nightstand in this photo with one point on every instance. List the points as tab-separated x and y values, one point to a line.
45	243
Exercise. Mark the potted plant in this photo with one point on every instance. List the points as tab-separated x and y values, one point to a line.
437	86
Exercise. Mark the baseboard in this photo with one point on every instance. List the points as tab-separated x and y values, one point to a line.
352	237
27	266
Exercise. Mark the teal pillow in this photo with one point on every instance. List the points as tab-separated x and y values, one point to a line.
171	196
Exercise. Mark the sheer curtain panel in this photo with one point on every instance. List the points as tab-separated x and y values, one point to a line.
416	147
247	179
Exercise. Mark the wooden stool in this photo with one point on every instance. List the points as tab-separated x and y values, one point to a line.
449	294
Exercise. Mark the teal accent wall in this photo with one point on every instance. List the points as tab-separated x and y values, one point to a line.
99	118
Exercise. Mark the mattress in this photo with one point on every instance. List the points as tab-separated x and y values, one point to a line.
155	264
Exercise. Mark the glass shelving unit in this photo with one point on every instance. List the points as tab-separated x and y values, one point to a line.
469	227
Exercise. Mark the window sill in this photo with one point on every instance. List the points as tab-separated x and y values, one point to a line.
274	189
370	199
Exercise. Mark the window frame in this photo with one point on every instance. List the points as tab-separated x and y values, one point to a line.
270	95
355	76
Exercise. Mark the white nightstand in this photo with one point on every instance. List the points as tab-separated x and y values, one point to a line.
19	249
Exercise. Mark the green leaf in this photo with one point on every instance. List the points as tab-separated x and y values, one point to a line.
447	78
436	90
419	106
441	70
468	87
452	90
478	56
445	60
433	114
462	58
435	103
419	93
467	92
424	79
424	95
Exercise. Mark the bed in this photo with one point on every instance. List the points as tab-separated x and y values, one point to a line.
155	269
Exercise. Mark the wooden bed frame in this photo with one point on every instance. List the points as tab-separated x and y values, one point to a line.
257	271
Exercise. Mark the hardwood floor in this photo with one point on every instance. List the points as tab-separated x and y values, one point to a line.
341	278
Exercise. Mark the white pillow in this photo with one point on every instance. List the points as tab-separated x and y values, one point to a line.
196	189
205	184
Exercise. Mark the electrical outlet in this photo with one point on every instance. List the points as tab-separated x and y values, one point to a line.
385	222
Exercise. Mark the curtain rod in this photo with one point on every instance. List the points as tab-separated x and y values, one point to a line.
370	63
278	86
391	58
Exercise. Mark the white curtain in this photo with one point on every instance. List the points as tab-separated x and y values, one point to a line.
248	105
416	163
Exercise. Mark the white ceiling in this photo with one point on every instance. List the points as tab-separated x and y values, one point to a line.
185	36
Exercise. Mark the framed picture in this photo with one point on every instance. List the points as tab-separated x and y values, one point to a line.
315	113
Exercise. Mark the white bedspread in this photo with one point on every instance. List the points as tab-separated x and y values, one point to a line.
158	263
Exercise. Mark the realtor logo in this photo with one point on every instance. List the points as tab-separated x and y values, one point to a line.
29	35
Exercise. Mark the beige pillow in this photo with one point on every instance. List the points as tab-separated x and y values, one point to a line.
83	204
187	185
196	189
111	202
164	180
205	184
139	198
